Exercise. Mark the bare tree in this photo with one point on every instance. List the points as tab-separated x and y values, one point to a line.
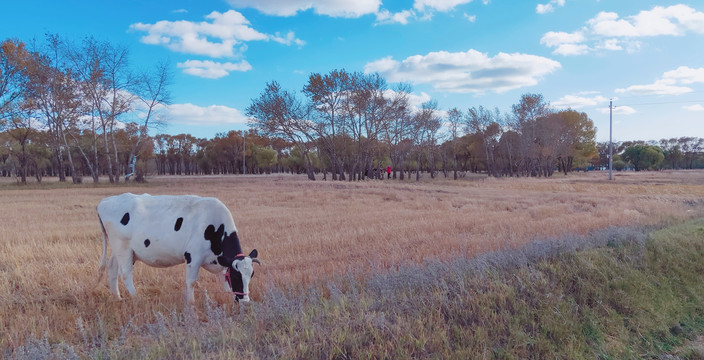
152	92
327	95
371	108
426	124
485	124
398	129
454	122
278	113
102	69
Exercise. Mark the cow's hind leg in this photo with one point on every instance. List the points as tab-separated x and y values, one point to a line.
126	262
113	274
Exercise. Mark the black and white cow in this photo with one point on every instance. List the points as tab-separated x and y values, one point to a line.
164	231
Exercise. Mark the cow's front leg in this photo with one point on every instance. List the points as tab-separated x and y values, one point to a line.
192	268
225	284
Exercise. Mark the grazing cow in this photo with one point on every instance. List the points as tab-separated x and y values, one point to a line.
164	231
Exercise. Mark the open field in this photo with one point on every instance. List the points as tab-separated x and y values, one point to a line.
306	232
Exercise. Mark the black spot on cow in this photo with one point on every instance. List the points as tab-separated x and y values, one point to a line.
147	242
125	219
187	255
215	238
179	222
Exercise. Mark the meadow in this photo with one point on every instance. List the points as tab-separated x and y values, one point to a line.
318	238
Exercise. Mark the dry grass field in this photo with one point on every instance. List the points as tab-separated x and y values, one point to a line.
305	232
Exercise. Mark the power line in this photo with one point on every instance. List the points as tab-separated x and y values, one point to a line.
664	103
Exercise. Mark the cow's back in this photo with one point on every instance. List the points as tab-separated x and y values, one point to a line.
161	229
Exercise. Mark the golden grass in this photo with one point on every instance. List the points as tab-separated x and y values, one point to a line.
304	231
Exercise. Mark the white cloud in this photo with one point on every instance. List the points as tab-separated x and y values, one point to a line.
670	83
684	75
620	33
212	70
571	49
466	72
471	18
421	10
549	7
696	107
190	114
657	88
221	35
544	8
289	39
333	8
438	5
565	43
556	38
672	20
611	44
401	17
578	101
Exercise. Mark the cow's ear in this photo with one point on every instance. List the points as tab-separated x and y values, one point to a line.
253	254
223	262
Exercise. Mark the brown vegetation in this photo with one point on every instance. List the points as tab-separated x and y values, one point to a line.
304	231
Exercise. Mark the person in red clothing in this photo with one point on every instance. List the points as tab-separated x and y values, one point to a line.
388	172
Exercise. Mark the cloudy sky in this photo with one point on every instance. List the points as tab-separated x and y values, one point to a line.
648	56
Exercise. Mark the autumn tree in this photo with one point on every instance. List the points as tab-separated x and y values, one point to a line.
13	79
15	110
526	113
576	143
56	96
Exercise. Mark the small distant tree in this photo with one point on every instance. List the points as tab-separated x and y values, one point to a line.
644	157
264	158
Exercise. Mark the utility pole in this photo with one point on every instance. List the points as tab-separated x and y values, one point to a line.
611	146
244	152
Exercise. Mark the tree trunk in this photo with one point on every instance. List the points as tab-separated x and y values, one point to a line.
117	159
107	155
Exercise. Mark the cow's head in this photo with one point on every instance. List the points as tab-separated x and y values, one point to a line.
239	273
239	267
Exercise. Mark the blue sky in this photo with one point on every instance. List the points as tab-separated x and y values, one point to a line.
646	55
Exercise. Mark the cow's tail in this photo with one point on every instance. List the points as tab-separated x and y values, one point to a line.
101	269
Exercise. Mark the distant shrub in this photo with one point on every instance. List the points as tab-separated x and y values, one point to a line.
619	165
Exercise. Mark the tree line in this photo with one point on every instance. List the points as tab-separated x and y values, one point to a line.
79	109
74	106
